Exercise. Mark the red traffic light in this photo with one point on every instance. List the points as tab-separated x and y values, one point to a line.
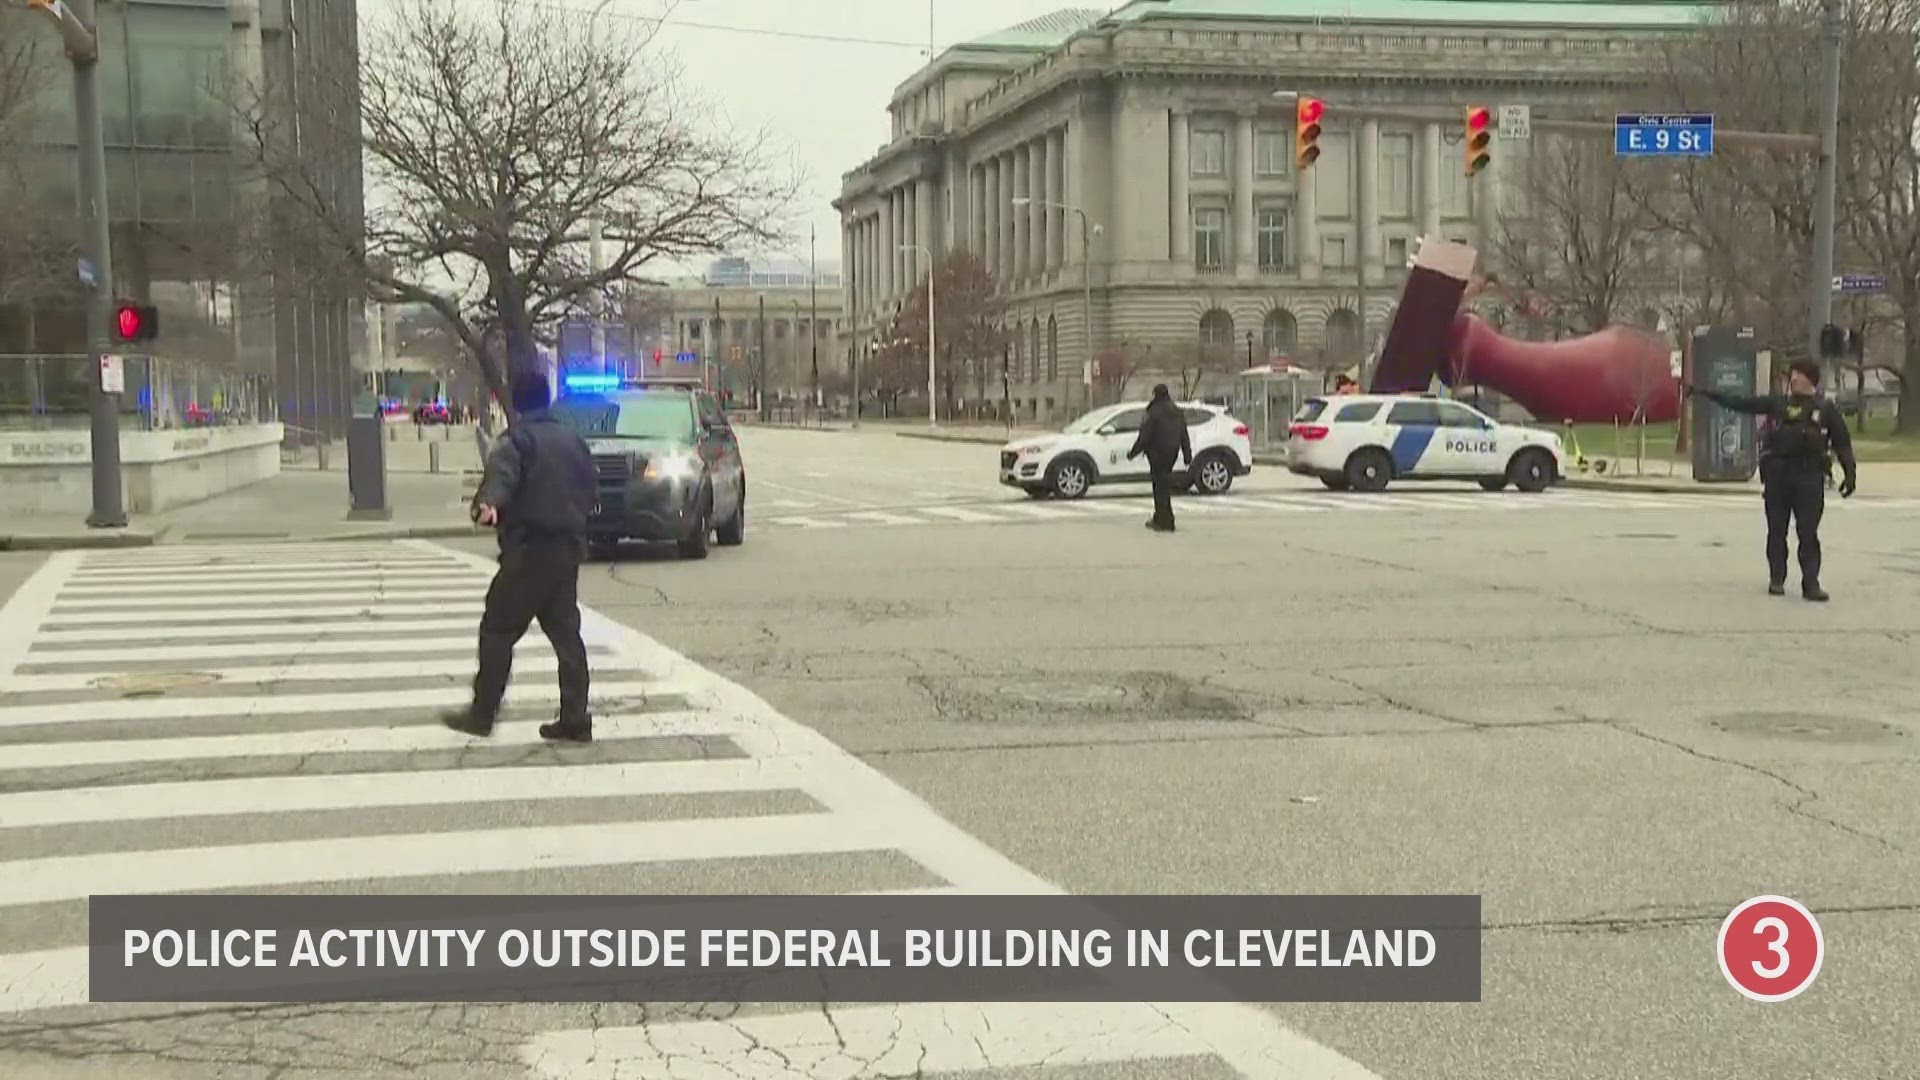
136	322
1478	119
129	323
1311	109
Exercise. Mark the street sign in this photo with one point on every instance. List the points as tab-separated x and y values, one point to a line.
1860	283
113	374
686	358
1516	122
87	276
1662	135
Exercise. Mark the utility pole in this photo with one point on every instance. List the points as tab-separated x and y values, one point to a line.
760	349
78	32
813	304
1820	289
598	256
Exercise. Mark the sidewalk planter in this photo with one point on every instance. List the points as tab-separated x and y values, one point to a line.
51	472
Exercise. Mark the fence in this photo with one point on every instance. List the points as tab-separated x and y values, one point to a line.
40	392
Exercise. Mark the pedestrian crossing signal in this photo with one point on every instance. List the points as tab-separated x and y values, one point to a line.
135	322
1306	123
1478	138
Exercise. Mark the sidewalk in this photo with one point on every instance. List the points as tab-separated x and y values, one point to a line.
297	505
1890	480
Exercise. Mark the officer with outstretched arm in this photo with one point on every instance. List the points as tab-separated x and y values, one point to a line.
1804	434
538	490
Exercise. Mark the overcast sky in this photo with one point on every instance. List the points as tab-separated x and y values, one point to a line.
816	74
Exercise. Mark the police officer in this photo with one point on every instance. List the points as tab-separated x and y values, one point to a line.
1804	434
538	489
1163	438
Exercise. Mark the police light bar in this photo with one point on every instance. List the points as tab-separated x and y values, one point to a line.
593	382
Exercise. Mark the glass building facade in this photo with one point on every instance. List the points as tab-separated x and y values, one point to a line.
193	229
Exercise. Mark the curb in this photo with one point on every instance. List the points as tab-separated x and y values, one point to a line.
1693	487
76	541
981	440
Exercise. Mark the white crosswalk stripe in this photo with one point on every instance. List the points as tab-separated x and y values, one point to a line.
192	720
1269	503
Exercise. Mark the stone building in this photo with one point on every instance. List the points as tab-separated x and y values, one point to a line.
717	316
1151	136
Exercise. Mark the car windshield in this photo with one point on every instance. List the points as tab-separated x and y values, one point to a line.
1089	422
629	416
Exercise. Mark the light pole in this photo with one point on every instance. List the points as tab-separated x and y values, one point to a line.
933	396
1832	26
1087	231
78	32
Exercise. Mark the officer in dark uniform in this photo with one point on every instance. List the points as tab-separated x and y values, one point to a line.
1163	438
1804	434
538	490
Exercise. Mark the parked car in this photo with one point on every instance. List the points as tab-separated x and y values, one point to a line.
1093	450
1361	442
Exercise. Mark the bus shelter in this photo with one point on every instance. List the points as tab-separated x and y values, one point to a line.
1266	398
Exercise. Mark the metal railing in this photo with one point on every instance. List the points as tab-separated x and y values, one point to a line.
49	391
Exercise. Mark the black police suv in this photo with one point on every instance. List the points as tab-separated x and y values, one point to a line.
668	465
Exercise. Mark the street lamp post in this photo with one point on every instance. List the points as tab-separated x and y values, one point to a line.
79	33
933	396
1087	229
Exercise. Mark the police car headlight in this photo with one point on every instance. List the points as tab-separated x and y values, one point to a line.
671	467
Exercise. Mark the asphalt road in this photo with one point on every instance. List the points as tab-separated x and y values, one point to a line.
1586	711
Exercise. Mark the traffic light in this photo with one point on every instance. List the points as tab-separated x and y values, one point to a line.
1306	126
1478	138
135	322
1833	342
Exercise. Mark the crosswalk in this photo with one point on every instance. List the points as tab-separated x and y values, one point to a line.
258	719
1274	504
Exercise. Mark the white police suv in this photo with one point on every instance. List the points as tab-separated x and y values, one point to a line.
1093	450
1360	442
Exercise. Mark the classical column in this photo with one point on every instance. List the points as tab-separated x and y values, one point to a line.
977	217
1245	255
995	196
926	228
889	250
1073	176
1056	217
1180	198
1022	215
1368	212
1039	213
902	236
1306	221
1430	167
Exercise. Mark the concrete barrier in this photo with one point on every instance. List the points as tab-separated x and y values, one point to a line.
51	472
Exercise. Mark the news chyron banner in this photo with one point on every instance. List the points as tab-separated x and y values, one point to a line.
284	949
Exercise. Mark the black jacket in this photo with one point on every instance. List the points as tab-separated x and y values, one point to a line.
1787	410
540	477
1163	434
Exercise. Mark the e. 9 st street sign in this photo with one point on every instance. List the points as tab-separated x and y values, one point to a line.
1663	135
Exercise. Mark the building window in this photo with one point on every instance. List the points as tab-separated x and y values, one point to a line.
1396	175
1272	152
1053	348
1216	329
1342	339
1453	188
1033	347
1333	251
1272	234
1207	147
1279	333
1333	180
1397	252
1210	238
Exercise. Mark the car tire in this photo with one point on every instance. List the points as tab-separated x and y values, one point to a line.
1335	483
1369	469
734	532
694	546
1212	474
1069	478
1494	483
1531	470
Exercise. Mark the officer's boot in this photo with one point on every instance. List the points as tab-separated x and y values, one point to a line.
1812	591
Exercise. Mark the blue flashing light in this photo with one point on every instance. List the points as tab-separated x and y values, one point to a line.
593	382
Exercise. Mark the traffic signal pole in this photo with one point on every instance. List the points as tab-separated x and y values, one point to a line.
75	19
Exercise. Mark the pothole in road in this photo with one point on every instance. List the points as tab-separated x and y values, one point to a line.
1075	699
155	683
1806	727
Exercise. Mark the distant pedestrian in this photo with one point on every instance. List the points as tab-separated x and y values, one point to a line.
538	489
1163	438
1804	434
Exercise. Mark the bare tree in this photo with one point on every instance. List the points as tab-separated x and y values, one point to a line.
493	135
1576	242
34	243
968	331
1751	211
1195	363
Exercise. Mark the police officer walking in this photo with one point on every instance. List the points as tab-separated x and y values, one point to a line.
538	489
1163	438
1804	435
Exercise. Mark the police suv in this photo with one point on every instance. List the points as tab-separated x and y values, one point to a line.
1093	450
1360	442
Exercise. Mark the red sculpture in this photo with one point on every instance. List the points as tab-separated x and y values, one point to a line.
1617	374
